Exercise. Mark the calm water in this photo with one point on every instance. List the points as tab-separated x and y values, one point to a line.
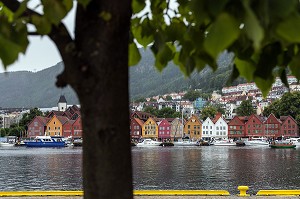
212	167
216	167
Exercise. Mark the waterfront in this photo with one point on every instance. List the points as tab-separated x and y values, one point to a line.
215	167
207	167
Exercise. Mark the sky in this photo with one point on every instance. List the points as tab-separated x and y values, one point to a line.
41	52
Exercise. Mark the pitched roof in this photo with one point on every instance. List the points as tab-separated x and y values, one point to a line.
62	99
62	119
44	120
140	122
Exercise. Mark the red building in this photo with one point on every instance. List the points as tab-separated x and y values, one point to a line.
77	127
37	126
289	127
254	127
236	127
272	127
136	128
164	130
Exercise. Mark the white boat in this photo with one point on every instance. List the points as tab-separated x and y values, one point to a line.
6	144
223	142
148	143
186	142
295	141
259	141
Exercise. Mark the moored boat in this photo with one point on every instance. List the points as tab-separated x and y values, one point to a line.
186	142
148	143
282	144
223	142
259	141
45	141
6	144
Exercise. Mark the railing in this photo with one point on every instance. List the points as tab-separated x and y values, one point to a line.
243	192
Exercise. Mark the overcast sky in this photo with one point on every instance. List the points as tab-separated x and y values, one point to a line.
41	52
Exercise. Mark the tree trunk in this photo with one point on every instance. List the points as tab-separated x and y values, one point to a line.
98	72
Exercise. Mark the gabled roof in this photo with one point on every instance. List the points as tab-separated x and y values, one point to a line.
57	113
284	118
140	122
62	119
44	120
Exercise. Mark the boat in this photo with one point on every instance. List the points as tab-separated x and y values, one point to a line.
6	144
186	142
223	142
45	141
295	141
259	141
282	144
148	143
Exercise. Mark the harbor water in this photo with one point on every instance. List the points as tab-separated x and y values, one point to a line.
206	167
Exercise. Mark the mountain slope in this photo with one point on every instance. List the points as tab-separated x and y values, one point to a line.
28	89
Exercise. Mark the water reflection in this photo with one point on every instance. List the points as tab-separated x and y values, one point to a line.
40	169
216	168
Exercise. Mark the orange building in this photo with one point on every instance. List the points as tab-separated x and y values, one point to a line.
55	125
150	129
193	128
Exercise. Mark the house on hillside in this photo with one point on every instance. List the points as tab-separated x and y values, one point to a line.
37	126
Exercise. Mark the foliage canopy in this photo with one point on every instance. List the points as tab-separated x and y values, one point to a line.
263	35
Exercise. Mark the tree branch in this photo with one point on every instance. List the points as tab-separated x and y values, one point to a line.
59	35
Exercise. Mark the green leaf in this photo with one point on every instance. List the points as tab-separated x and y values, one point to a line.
223	32
252	27
264	85
283	77
56	10
43	26
289	29
295	66
9	51
164	55
143	32
84	2
246	68
134	54
138	5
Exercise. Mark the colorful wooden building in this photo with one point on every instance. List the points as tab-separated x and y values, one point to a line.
136	126
289	127
193	128
150	129
37	126
164	130
236	127
254	127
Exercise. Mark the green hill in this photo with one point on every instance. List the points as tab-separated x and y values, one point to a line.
28	89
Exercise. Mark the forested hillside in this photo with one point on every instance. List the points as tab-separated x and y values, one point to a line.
146	80
28	89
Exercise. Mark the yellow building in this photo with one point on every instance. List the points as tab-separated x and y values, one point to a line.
55	125
193	128
150	129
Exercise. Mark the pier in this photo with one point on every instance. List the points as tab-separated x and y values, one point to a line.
159	194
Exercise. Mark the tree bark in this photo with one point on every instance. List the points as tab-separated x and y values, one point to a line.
96	67
98	71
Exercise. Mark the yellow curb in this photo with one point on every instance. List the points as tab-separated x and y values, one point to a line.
41	193
181	192
278	192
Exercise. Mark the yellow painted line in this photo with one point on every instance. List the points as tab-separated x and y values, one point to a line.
278	192
41	193
181	192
